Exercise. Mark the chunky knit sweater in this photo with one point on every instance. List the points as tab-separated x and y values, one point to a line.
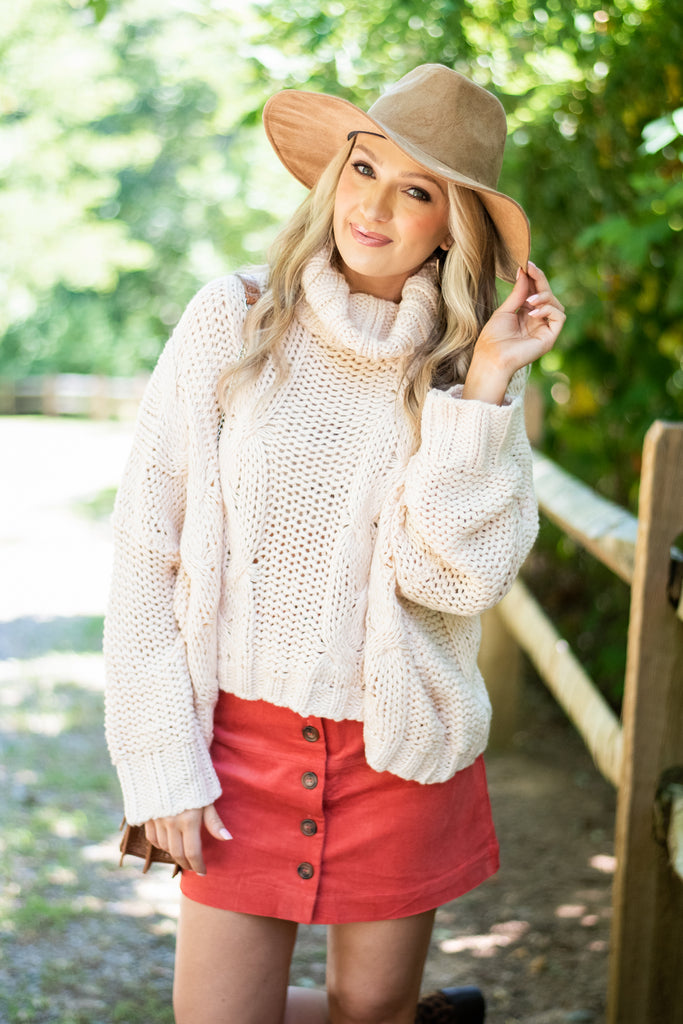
311	559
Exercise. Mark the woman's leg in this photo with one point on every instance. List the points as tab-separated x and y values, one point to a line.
230	967
374	969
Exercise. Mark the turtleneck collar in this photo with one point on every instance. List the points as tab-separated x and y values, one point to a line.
372	328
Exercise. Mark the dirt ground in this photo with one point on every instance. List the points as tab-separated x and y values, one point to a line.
85	942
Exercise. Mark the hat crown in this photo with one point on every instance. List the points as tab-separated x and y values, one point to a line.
437	113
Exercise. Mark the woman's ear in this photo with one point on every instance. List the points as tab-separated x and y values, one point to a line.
446	244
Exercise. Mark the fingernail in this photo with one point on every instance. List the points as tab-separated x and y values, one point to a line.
224	834
519	271
532	298
532	264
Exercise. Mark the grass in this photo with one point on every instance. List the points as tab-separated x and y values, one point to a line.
100	506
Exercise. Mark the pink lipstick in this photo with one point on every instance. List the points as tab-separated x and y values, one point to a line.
369	238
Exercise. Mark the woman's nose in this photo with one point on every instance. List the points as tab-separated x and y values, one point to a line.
376	204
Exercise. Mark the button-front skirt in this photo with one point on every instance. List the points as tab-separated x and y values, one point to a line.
321	838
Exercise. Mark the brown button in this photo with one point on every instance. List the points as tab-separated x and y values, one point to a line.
308	827
305	870
310	733
309	780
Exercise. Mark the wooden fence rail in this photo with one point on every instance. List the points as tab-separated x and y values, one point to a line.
603	528
644	757
72	394
565	678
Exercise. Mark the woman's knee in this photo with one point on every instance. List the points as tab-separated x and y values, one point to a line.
371	1006
374	969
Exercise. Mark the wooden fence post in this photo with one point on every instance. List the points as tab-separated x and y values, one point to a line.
500	656
646	967
500	663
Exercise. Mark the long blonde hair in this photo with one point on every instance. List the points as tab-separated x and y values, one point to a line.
467	296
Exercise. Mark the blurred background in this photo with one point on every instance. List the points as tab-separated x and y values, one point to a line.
134	168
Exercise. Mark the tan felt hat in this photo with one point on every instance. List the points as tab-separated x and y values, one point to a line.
438	117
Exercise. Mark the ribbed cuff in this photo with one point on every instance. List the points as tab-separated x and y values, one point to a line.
466	432
166	782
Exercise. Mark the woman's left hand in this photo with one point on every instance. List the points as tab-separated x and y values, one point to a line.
522	329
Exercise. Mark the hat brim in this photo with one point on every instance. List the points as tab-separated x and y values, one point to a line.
307	129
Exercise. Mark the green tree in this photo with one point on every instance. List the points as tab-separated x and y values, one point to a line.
129	175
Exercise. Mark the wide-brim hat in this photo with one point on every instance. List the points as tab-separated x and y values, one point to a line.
446	123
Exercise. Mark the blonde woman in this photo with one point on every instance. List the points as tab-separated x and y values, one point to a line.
325	491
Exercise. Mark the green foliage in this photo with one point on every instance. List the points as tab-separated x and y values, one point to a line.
126	178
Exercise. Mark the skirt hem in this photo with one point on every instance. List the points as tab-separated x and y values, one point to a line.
268	901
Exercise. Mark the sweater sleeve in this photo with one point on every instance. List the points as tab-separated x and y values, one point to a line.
152	728
464	517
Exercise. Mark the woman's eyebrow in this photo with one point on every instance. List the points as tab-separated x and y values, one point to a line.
404	174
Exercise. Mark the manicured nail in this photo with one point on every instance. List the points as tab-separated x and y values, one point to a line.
533	298
224	834
519	271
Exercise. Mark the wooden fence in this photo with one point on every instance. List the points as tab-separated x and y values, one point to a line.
642	755
73	394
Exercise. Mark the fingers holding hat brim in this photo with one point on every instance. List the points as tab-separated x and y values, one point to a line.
308	129
512	225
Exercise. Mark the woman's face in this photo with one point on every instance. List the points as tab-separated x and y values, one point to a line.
390	215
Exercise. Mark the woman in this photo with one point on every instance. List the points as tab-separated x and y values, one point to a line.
323	495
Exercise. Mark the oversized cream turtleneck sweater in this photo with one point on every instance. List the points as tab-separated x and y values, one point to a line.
310	559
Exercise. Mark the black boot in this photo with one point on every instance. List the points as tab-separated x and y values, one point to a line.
462	1005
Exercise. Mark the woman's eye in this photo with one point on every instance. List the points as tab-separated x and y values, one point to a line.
419	193
364	169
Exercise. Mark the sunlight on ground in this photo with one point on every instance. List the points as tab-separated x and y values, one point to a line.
571	910
55	562
604	862
82	670
485	945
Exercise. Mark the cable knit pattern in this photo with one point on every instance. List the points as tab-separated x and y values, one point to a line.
309	560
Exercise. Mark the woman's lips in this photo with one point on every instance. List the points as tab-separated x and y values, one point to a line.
368	237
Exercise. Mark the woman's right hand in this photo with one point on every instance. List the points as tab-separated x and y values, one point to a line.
180	835
524	327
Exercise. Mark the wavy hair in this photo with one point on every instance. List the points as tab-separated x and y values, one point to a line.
269	319
467	273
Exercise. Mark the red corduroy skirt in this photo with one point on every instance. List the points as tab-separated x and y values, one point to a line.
321	838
